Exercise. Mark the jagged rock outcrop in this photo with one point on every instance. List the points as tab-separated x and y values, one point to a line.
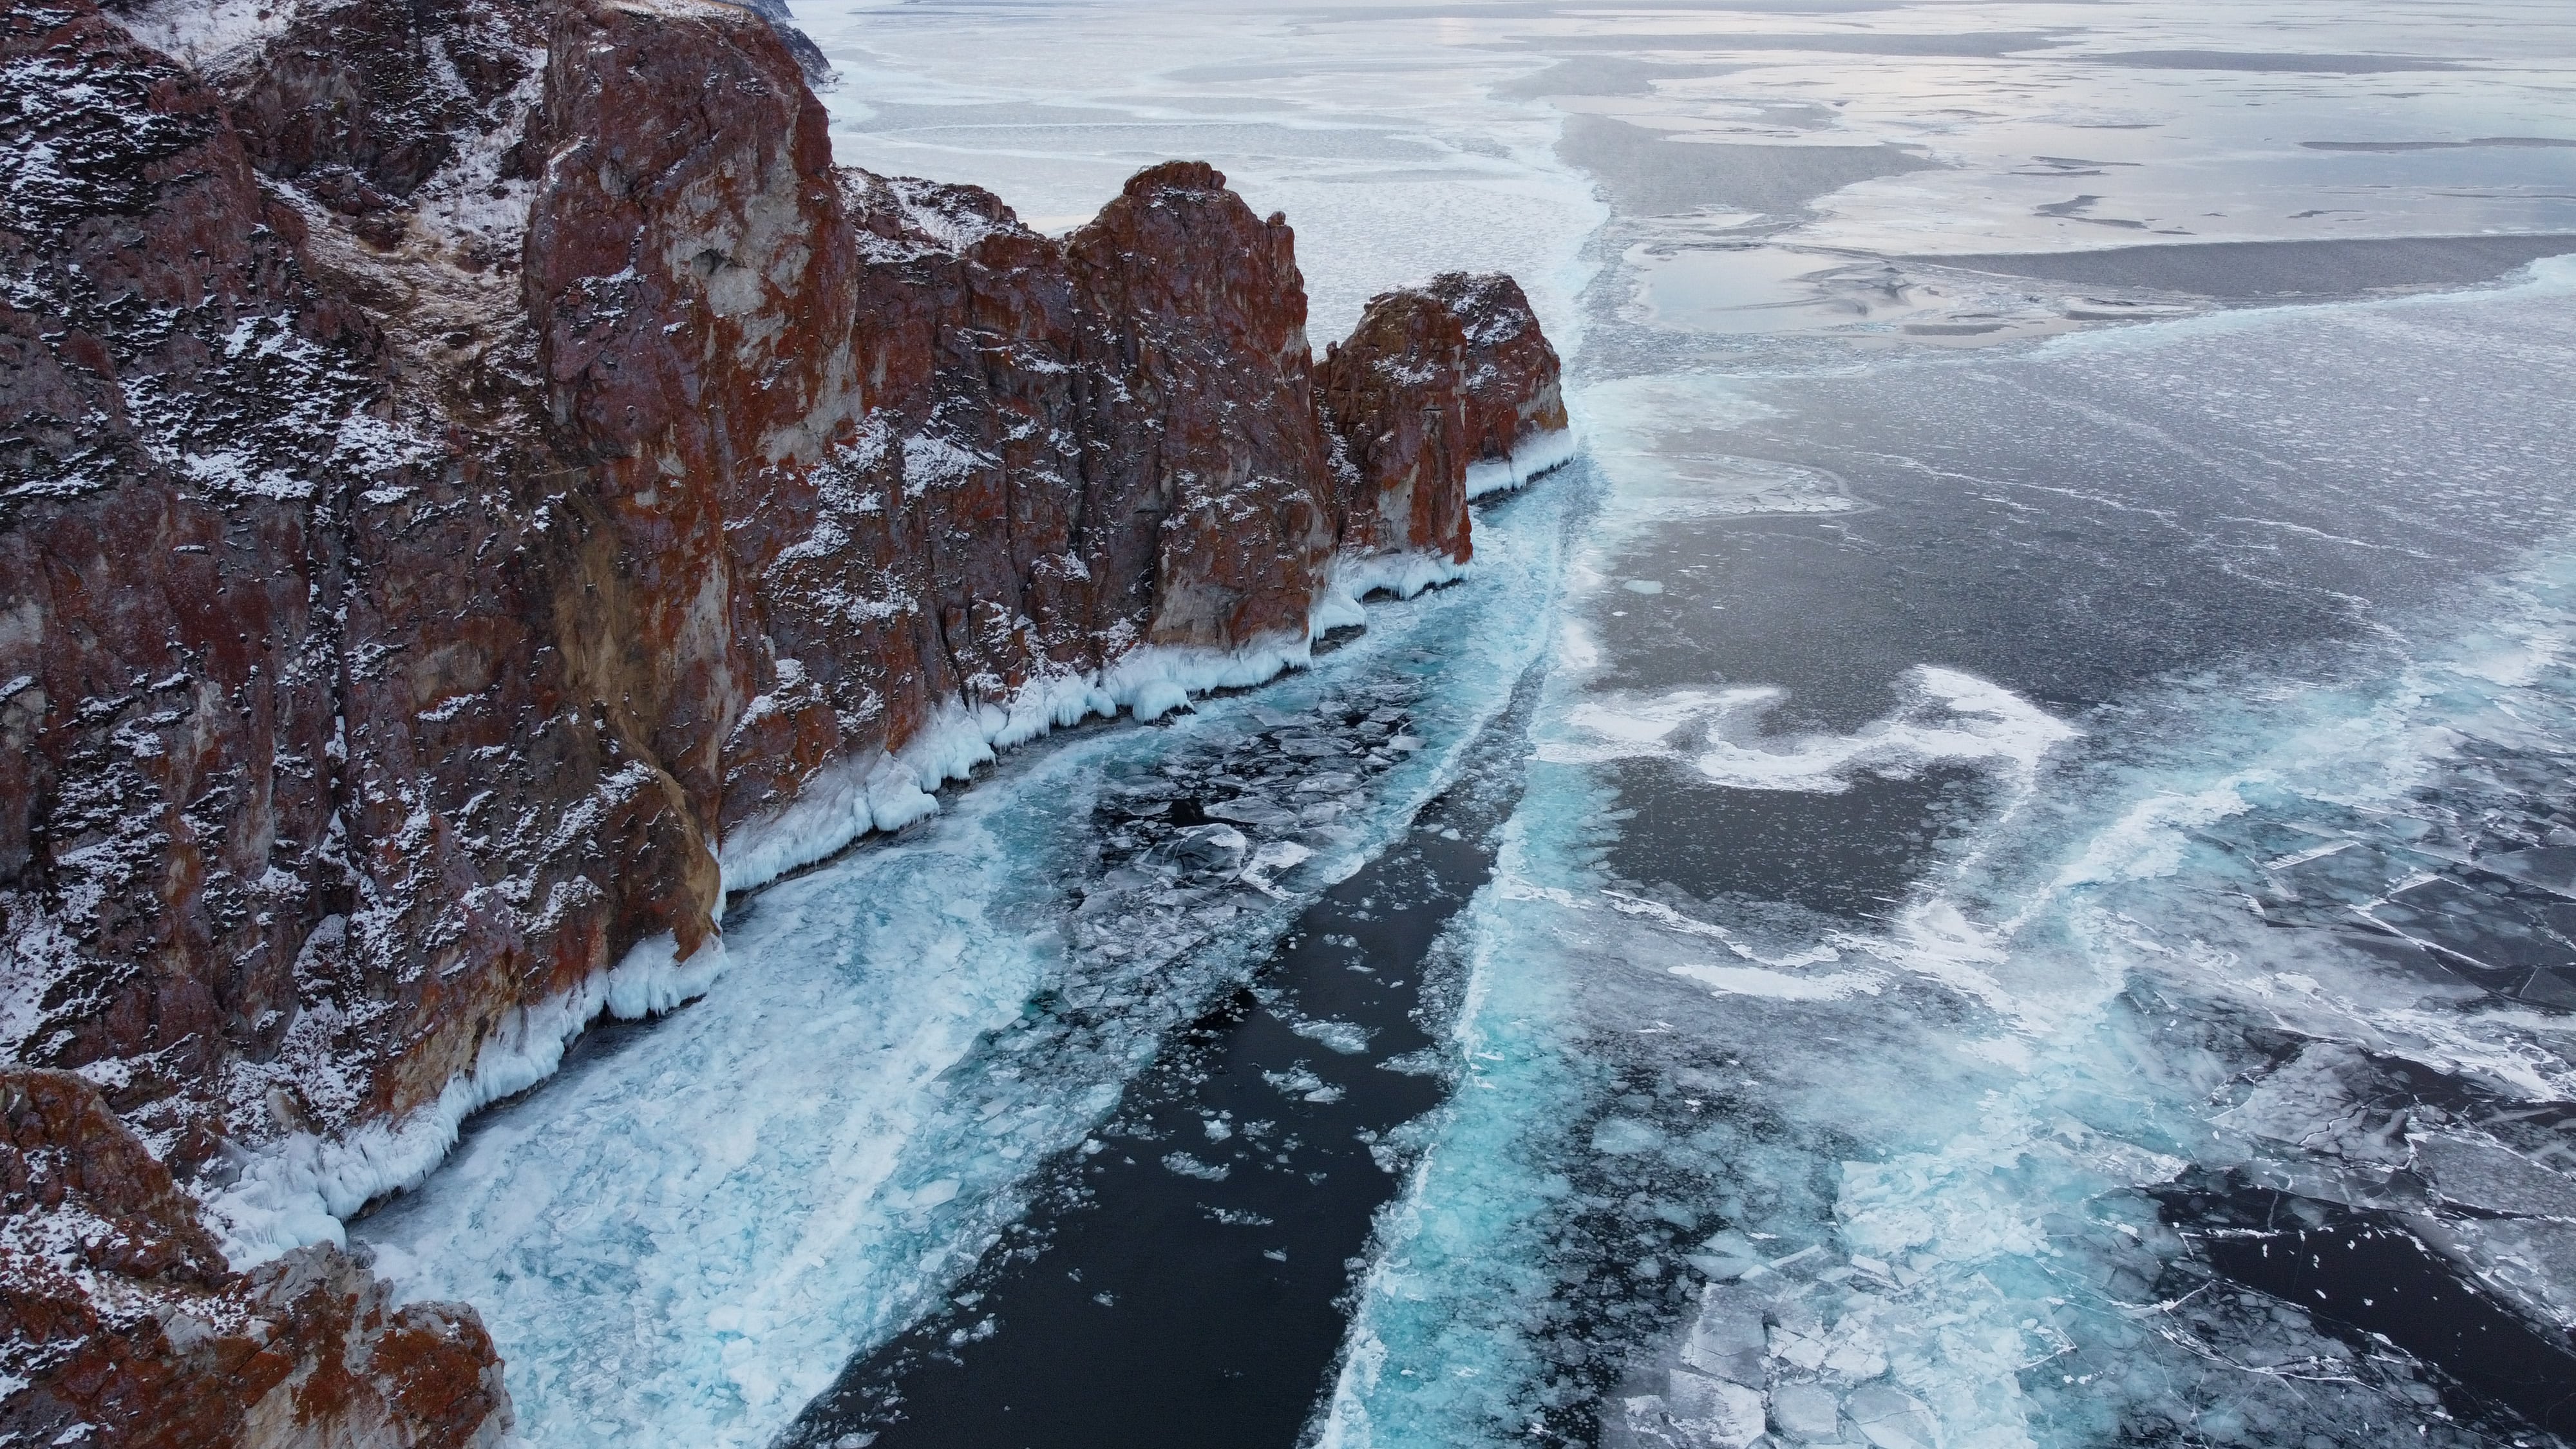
1514	397
1435	388
809	56
126	1327
473	480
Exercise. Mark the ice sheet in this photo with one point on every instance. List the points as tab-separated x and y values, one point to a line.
1928	1184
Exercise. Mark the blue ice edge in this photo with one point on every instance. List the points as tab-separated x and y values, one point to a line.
682	1239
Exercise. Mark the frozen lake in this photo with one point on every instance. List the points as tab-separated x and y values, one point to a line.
1994	865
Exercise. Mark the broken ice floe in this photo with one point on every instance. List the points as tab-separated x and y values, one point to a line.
2311	936
1947	716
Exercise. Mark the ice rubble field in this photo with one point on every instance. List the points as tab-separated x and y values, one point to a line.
1928	1153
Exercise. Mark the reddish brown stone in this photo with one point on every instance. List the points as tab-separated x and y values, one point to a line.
1512	375
123	1317
1433	381
1396	393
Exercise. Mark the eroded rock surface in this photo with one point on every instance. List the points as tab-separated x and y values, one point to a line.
126	1327
477	481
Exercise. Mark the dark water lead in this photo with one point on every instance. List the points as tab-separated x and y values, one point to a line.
2362	1276
1184	1277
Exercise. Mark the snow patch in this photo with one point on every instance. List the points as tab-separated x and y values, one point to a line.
1948	717
212	37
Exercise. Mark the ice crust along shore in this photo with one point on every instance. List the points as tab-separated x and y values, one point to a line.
894	791
1536	455
682	1238
301	1189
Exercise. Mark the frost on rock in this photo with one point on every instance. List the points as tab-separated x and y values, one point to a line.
113	1284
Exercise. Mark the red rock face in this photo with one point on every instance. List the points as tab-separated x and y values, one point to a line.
1512	377
458	470
361	102
167	702
1433	381
1214	428
124	1318
1396	392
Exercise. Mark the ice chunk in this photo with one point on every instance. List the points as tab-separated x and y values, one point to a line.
1206	850
1893	1419
1727	1256
1726	1341
1272	858
1253	810
1420	1062
2536	1258
1301	1082
1348	1038
1188	1166
2481	1174
1620	1135
2550	867
1714	1412
1806	1411
1279	855
2312	1102
1853	1351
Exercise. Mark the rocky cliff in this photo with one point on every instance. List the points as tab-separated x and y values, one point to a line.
475	483
126	1322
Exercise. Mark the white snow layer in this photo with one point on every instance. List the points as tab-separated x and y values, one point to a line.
214	36
1533	455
